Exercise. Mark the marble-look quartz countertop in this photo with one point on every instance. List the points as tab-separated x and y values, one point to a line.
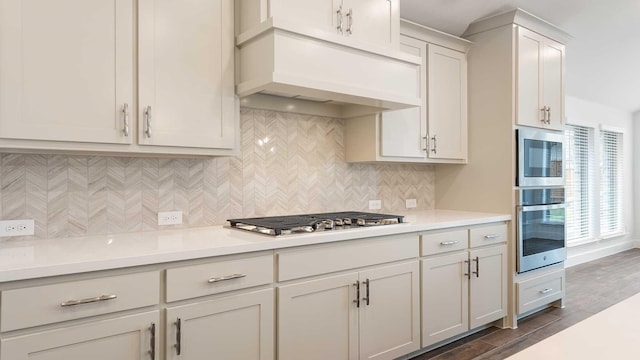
27	259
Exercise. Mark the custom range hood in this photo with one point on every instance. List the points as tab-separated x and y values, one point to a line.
294	60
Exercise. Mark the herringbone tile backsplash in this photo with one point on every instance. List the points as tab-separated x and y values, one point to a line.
289	164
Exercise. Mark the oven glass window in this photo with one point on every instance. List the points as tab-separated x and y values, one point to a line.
542	158
542	231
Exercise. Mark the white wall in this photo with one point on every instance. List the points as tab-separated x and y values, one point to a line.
582	112
636	177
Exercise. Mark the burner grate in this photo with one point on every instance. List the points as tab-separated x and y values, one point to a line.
280	225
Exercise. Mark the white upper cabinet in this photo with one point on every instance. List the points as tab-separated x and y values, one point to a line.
186	87
369	21
340	51
66	70
540	81
447	104
68	74
436	131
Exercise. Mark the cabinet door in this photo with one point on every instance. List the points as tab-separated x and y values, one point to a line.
488	288
186	71
445	297
66	70
318	319
234	327
553	72
313	15
403	132
389	311
123	338
447	103
529	79
373	21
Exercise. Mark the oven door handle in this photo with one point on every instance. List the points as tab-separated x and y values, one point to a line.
541	207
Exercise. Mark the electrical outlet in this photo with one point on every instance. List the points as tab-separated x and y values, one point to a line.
170	218
375	204
411	203
17	227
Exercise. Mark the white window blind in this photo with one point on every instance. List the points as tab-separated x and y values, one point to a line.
610	183
579	180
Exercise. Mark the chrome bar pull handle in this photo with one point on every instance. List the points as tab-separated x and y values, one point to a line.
152	343
88	300
445	243
425	139
178	344
147	116
468	273
544	114
225	278
548	115
339	19
357	300
545	291
367	296
350	21
477	261
435	144
125	117
492	236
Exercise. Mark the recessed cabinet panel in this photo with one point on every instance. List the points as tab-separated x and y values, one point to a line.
235	327
553	83
447	104
318	14
186	81
488	286
66	70
318	320
376	21
123	338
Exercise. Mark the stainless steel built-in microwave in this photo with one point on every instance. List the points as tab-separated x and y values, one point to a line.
540	158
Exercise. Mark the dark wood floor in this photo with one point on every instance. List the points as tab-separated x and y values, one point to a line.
590	288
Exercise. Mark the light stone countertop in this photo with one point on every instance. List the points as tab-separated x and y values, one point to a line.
27	259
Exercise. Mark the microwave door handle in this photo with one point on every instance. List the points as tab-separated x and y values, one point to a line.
542	207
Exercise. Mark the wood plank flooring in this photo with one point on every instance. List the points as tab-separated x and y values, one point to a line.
590	288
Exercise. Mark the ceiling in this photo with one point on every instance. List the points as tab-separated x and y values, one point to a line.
603	57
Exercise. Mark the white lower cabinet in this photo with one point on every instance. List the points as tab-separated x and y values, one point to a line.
371	314
234	327
132	337
462	289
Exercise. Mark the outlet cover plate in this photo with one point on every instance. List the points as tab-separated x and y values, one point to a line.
170	218
17	227
375	204
411	203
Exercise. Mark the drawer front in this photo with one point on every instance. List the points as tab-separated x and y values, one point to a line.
443	241
39	305
206	279
322	259
539	291
488	235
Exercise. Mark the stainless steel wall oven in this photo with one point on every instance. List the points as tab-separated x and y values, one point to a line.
540	158
540	225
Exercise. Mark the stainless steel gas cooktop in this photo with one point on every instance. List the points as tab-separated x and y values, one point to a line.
293	224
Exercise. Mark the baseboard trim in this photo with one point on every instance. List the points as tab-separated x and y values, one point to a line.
601	252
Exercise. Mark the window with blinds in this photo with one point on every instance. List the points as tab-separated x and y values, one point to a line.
610	183
579	172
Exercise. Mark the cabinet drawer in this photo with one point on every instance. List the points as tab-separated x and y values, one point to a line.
206	279
322	259
540	291
443	241
39	305
487	235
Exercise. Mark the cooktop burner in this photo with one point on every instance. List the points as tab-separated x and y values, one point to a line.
290	224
